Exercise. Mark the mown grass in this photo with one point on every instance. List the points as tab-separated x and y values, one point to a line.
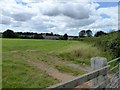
17	72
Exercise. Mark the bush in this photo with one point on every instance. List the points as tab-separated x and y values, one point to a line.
107	43
115	46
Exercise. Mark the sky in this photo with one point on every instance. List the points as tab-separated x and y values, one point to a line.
58	16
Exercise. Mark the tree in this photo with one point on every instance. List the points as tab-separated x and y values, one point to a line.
9	34
38	36
65	36
114	45
89	33
51	33
82	33
99	33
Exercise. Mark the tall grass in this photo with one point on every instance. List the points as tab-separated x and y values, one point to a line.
81	54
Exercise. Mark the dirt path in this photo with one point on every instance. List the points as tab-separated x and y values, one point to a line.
62	77
48	67
55	60
53	72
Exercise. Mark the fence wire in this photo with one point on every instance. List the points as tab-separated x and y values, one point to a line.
115	77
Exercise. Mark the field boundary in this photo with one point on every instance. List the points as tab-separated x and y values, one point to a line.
99	76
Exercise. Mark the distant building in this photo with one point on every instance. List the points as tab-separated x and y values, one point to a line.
72	37
26	34
30	36
50	37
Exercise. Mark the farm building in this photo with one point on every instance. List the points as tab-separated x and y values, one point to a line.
72	37
53	37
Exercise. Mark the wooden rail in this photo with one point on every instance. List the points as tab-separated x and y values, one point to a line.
81	79
98	75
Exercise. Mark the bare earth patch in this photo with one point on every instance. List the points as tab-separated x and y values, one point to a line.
62	77
53	72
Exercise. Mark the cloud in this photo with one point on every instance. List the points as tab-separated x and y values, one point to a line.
16	24
57	16
22	16
72	10
111	11
31	1
16	11
5	20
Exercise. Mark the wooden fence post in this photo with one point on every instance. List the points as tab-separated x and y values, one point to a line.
97	63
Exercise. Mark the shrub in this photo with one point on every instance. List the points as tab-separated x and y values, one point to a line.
107	43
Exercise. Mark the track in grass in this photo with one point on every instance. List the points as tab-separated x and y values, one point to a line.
18	53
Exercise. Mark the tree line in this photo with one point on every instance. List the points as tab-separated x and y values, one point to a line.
107	42
88	33
30	35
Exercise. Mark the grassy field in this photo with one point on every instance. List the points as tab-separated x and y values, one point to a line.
23	60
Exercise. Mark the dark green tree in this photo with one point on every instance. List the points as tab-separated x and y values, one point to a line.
65	36
99	33
114	45
9	34
38	36
82	33
89	33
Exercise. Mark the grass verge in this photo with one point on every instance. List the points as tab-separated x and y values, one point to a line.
67	69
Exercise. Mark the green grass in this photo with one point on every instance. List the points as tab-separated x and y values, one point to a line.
81	54
109	43
70	70
17	72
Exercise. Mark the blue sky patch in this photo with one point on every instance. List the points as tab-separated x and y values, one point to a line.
104	16
21	2
107	4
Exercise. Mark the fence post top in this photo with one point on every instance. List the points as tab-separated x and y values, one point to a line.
98	62
99	58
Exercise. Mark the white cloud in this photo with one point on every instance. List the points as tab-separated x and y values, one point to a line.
111	11
70	9
16	11
22	16
5	20
16	24
58	16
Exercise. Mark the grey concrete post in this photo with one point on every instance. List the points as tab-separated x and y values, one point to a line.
97	63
